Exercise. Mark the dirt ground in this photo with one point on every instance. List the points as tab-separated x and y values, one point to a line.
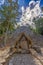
24	59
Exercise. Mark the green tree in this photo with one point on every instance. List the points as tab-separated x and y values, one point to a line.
9	14
39	26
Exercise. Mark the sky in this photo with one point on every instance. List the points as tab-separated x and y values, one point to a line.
41	3
1	2
23	2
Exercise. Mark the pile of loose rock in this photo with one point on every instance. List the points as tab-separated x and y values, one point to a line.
6	53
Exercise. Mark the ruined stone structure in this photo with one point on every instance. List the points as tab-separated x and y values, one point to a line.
22	41
36	39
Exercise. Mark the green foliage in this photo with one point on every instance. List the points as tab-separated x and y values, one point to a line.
8	13
39	26
6	26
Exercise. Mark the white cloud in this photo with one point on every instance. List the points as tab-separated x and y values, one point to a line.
28	14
